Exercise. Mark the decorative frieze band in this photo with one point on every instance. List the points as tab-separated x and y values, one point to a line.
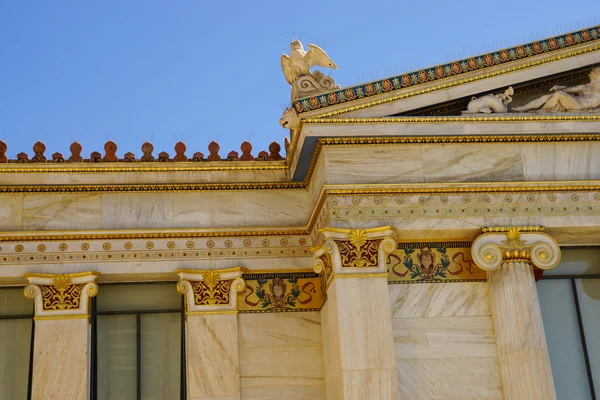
61	296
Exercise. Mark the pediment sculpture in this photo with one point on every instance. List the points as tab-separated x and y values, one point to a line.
491	103
296	68
562	99
580	98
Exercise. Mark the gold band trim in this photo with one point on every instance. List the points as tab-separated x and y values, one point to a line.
60	317
74	275
367	275
78	169
211	312
151	235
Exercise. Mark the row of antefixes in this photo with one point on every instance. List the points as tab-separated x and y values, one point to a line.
110	154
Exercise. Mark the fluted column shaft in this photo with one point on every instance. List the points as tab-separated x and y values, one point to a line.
523	358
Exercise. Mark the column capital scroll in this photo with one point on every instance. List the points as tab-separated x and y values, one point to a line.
354	252
211	291
500	245
61	296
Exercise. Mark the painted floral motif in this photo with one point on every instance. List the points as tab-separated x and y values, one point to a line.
432	262
439	72
61	295
280	292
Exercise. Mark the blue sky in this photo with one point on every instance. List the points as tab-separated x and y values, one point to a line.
134	71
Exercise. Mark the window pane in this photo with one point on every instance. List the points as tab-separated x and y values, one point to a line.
582	261
15	342
588	291
116	355
14	302
161	356
562	335
138	297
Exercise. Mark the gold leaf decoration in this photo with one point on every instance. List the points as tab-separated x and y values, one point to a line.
358	237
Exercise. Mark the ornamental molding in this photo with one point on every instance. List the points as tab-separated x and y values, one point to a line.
515	244
61	296
211	291
354	252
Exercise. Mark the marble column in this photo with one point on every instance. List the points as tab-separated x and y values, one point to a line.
211	332
358	345
510	255
62	334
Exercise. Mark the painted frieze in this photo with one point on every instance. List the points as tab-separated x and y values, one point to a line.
272	292
433	262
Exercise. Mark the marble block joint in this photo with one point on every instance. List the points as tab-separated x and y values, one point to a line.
509	255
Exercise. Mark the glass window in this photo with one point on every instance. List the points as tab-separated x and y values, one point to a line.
138	332
570	301
16	326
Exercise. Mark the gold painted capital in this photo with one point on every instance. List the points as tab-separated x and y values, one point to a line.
500	245
355	252
211	291
61	296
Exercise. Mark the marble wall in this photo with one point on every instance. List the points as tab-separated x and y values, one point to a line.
281	356
444	341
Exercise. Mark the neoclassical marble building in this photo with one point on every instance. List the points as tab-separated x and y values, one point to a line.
433	235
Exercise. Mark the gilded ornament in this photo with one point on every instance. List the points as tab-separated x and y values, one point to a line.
266	242
149	245
106	246
19	248
211	290
62	247
189	244
358	251
228	243
85	246
128	245
41	247
170	244
575	197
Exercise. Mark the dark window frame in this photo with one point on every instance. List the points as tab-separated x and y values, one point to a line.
582	337
94	313
32	339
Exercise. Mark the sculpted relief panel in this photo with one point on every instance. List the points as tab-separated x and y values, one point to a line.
578	98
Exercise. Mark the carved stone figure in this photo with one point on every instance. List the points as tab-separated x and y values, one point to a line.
289	120
581	97
491	103
296	68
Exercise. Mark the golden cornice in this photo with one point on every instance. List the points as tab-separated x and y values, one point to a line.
483	187
457	82
148	187
52	237
73	275
515	118
78	168
508	228
416	140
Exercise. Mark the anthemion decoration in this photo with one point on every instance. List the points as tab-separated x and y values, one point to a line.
431	235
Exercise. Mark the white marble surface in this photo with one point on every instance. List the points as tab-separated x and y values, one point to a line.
472	162
241	208
213	366
449	379
281	356
561	161
137	210
380	164
60	368
11	211
46	211
443	337
455	299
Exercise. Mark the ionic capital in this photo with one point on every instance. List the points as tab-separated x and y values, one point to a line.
211	291
515	244
61	296
354	252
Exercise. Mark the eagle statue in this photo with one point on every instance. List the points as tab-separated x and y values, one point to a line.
296	68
